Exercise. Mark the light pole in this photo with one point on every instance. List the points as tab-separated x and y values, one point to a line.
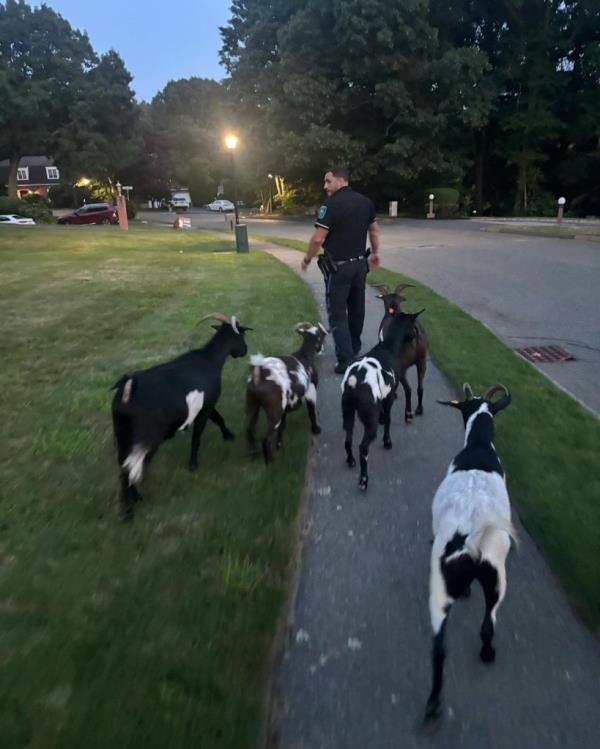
431	214
270	203
241	232
561	208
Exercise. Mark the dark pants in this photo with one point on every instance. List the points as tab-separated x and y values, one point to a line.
345	296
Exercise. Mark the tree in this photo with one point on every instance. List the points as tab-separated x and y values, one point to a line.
42	60
381	99
101	136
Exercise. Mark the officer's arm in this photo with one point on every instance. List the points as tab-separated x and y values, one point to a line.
374	241
314	245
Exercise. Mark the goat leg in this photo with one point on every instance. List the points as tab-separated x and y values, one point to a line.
348	416
408	414
369	435
421	368
217	419
387	418
312	415
280	430
199	424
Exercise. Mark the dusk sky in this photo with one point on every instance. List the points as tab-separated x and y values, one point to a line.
159	41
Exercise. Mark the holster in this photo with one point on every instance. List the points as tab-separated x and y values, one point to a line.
327	266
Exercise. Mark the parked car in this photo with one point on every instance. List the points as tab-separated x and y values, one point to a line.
14	218
221	205
94	213
181	200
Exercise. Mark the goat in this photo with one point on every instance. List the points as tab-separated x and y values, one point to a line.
279	384
472	530
369	389
151	405
414	353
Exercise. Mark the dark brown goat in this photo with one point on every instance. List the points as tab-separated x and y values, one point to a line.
414	354
280	384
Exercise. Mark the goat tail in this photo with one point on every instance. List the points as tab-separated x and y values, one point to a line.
256	361
475	540
125	388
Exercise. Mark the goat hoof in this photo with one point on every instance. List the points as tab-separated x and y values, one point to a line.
350	462
408	417
316	430
433	714
362	483
487	654
193	466
419	411
126	513
387	444
228	436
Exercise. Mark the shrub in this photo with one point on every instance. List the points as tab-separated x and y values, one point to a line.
132	208
32	206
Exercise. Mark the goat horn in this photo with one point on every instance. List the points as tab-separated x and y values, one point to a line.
300	326
401	286
383	286
493	390
468	391
217	316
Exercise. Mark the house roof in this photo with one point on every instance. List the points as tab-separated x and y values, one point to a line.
37	171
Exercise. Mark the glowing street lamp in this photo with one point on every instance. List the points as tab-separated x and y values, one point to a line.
241	231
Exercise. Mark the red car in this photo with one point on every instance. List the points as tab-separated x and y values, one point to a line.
94	213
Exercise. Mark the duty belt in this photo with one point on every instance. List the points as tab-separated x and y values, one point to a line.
351	259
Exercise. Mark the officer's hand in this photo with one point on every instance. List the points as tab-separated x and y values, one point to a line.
305	263
374	260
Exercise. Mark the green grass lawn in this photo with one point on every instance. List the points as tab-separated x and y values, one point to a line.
549	444
154	633
559	231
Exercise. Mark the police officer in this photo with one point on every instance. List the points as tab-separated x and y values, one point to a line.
341	228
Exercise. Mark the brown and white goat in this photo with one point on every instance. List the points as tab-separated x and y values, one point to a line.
280	384
412	354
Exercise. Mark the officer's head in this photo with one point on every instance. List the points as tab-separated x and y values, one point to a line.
334	179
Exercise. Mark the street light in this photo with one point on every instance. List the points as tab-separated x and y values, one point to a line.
231	143
561	208
431	214
241	231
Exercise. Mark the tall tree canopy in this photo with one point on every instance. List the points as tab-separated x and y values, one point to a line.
57	96
484	95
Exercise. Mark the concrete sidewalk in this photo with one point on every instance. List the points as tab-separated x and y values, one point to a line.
356	673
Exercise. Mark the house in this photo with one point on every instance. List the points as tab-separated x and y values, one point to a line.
36	174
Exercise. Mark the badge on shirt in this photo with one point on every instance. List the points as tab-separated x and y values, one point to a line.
322	212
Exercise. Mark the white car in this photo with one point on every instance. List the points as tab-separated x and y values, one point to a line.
221	205
14	218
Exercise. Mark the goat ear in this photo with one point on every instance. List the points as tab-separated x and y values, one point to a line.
378	296
500	404
454	404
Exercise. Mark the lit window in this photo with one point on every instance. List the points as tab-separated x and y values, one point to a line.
52	172
23	174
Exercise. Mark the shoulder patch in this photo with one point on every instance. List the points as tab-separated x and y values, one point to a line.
322	211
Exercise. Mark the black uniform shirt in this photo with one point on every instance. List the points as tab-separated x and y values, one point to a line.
347	215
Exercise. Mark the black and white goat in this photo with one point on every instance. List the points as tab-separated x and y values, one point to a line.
369	389
472	530
280	384
151	405
413	354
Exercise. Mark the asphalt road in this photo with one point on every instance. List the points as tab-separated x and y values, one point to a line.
528	290
356	673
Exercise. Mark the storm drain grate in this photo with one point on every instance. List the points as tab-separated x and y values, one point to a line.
539	354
